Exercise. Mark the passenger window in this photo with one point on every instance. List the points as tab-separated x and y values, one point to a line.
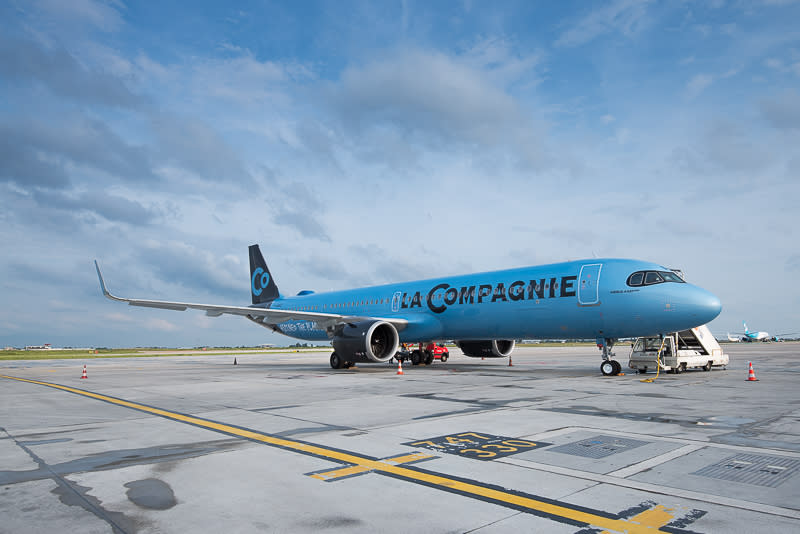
652	277
636	279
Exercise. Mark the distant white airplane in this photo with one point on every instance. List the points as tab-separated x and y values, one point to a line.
754	336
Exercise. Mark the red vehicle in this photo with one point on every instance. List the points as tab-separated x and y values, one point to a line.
439	351
417	355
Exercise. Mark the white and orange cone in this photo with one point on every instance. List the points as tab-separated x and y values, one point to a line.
751	376
84	372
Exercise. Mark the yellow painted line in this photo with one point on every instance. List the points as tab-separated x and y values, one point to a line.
352	470
333	474
408	458
643	523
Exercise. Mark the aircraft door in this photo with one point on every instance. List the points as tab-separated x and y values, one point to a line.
589	280
396	301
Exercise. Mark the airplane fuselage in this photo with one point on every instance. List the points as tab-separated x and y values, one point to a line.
578	299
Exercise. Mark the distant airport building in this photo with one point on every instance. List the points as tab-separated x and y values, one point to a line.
46	346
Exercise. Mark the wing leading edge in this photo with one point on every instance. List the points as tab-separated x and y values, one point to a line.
270	315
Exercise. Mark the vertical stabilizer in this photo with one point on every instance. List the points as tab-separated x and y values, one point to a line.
262	286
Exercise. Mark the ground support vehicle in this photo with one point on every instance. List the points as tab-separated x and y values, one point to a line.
677	352
418	354
439	351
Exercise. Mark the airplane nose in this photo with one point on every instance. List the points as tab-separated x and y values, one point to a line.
706	305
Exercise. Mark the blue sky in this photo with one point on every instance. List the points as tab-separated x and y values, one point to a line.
368	142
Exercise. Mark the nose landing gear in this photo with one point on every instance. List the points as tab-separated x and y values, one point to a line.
609	367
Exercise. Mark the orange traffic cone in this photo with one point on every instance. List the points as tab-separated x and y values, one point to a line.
509	362
399	367
84	372
751	376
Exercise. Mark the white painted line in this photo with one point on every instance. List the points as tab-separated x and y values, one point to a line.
654	461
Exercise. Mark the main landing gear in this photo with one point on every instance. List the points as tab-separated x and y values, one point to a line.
609	367
339	363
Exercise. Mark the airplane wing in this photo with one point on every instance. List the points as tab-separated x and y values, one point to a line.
271	316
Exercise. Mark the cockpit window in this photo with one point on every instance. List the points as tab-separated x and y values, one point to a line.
636	279
652	277
669	276
648	278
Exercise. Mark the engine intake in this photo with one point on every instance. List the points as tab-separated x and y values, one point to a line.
490	348
367	341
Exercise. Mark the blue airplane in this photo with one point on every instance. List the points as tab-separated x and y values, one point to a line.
484	313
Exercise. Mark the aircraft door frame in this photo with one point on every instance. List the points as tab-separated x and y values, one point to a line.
589	284
396	301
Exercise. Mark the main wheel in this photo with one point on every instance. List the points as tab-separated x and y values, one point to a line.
617	367
428	357
336	361
415	357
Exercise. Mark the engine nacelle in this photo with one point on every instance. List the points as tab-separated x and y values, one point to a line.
367	341
490	348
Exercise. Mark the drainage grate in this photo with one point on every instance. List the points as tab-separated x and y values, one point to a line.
756	469
598	446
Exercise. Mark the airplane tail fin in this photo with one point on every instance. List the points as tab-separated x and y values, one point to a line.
262	286
746	331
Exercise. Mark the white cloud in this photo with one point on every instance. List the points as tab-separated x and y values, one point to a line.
161	325
104	16
435	99
698	84
622	16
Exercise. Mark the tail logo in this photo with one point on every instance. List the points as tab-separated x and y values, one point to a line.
259	281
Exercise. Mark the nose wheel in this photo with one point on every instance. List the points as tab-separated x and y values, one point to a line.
610	368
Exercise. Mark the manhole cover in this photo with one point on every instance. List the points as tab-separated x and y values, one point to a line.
769	471
598	446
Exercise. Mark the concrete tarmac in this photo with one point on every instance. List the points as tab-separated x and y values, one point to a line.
281	442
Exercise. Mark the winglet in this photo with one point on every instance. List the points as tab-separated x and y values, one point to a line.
102	282
106	293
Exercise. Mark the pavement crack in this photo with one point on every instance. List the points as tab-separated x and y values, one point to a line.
74	495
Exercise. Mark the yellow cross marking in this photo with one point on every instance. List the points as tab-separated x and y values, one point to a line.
352	470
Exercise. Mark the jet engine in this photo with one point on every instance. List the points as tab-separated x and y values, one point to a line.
366	341
490	348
